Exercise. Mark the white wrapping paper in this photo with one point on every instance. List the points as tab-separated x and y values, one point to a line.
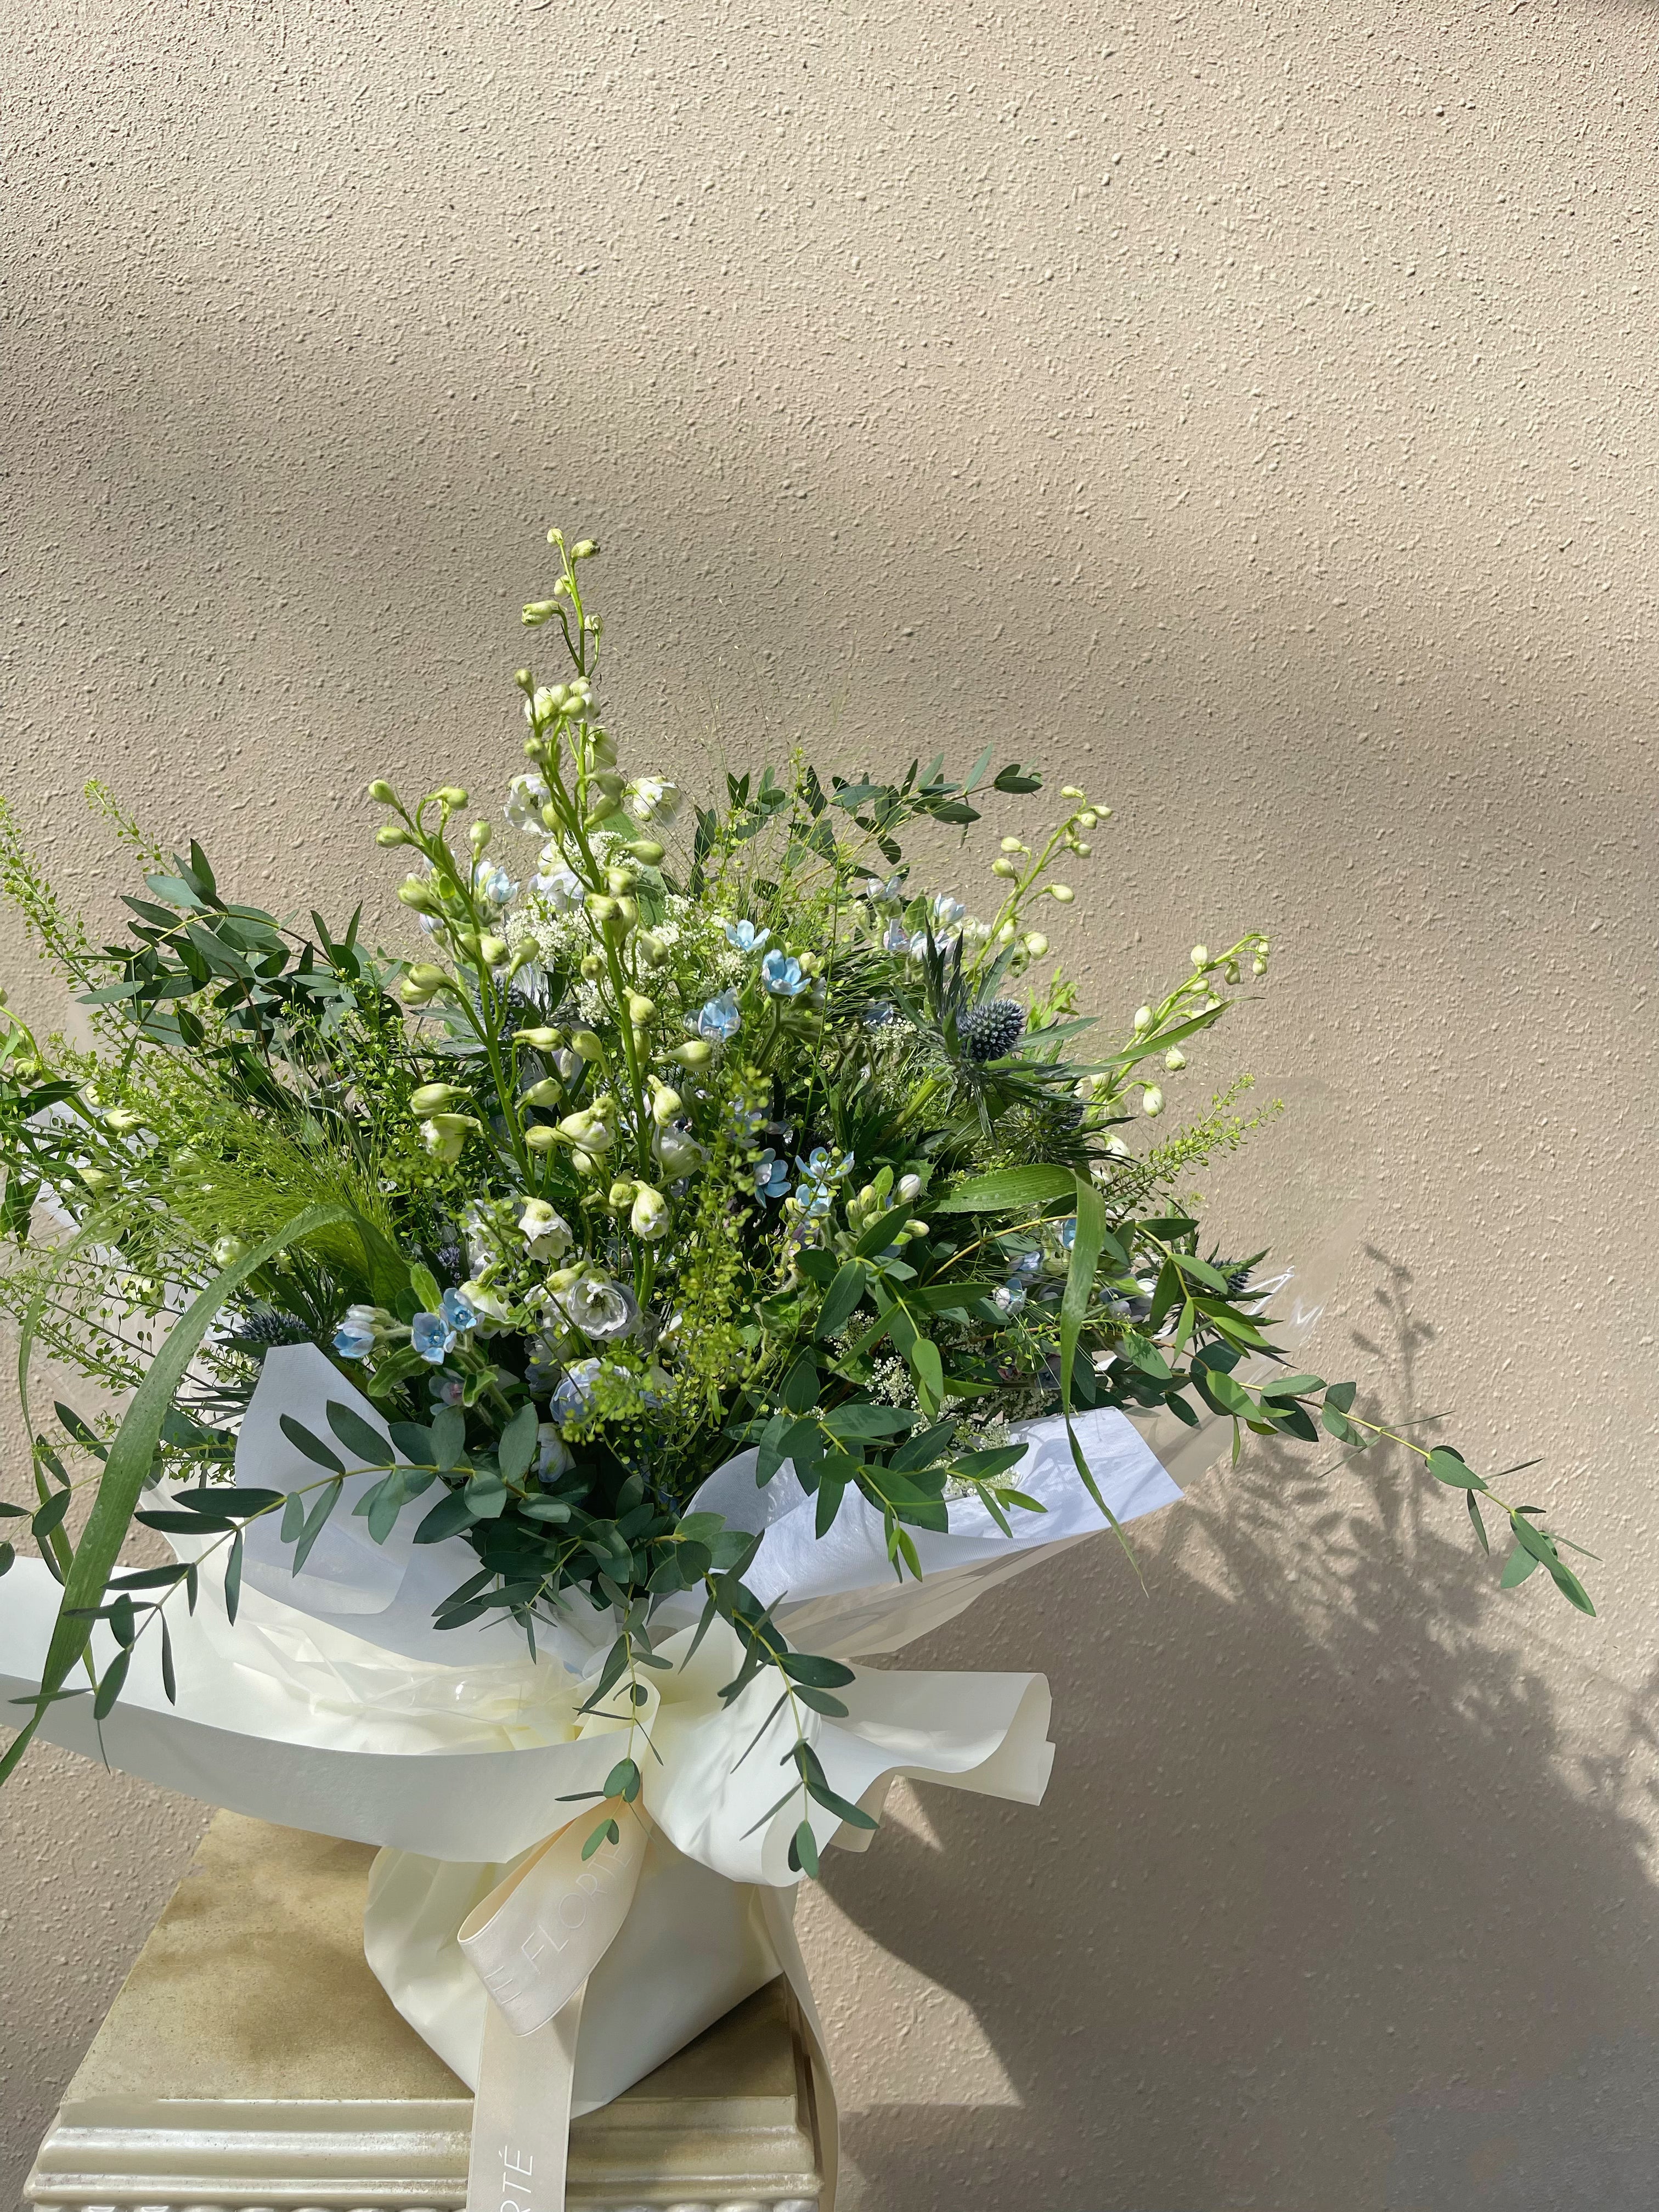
333	1705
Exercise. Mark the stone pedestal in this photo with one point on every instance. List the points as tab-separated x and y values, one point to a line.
252	2060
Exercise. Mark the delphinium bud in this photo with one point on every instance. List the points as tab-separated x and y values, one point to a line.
431	1097
1175	1058
1035	943
382	790
1072	790
452	795
1143	1020
1200	955
1062	894
1152	1100
391	832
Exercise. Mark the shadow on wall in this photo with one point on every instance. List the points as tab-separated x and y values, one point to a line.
1292	1787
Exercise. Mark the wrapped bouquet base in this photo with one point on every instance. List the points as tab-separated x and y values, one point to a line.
251	2060
548	1975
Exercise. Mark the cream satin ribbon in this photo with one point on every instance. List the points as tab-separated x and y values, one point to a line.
533	1942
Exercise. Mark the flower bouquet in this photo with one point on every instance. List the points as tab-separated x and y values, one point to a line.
555	1356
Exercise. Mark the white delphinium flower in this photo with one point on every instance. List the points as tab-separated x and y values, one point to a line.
492	1310
556	882
546	1233
650	798
526	795
649	1216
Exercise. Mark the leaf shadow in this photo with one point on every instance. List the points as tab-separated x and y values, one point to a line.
1323	1905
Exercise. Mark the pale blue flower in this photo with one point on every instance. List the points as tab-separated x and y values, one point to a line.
446	1389
878	1015
1009	1296
771	1176
746	937
355	1337
494	884
782	975
571	1401
718	1020
817	1182
947	913
895	938
456	1309
1068	1231
432	1337
888	893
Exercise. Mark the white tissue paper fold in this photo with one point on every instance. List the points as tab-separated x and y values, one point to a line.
333	1705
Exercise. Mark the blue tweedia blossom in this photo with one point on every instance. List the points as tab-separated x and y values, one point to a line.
817	1181
746	937
1068	1231
1010	1296
895	938
771	1176
782	975
492	882
718	1020
455	1308
355	1337
432	1337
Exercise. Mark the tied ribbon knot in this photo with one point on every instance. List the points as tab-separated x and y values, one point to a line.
533	1942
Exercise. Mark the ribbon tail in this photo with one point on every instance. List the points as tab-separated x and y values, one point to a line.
521	2114
777	1913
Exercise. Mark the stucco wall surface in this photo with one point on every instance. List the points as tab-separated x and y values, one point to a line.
1249	411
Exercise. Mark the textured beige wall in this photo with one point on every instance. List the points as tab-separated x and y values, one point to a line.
1251	411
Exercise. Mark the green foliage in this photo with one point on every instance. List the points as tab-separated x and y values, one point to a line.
672	1137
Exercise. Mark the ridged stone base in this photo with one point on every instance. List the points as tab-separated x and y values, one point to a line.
252	2063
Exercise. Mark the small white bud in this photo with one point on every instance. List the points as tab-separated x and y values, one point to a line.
1035	943
1152	1100
1200	955
1062	894
1012	845
1175	1058
1143	1020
